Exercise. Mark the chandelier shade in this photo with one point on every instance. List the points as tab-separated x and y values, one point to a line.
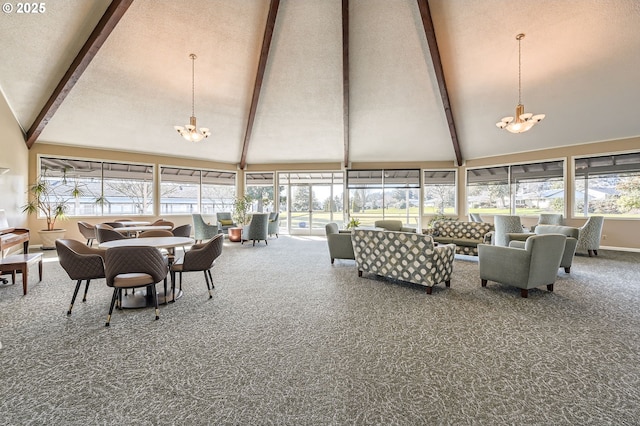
522	121
190	131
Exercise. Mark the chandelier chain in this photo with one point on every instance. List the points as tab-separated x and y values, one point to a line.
193	85
520	37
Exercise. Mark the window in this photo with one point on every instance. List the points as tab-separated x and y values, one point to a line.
538	187
179	190
218	191
522	189
439	192
259	186
186	191
608	185
127	189
488	190
384	194
105	188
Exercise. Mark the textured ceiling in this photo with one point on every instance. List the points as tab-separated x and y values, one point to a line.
580	62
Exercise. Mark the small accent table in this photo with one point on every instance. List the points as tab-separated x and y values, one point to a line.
235	235
21	262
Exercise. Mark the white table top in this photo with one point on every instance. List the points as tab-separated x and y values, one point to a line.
133	222
126	229
158	242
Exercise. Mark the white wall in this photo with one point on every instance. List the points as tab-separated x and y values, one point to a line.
15	156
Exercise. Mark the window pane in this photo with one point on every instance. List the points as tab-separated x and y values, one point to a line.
384	194
127	189
179	190
608	185
259	186
538	187
488	190
439	192
218	191
69	174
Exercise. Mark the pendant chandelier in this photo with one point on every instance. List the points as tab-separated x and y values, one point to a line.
189	131
523	121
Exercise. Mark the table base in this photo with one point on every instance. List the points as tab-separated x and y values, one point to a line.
142	298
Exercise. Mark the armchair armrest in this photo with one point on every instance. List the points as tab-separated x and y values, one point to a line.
407	229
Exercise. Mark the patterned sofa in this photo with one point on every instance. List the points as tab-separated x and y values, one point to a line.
403	256
465	235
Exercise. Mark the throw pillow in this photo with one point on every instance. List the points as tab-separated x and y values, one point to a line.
226	222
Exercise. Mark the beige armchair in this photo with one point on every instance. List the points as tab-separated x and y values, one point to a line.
532	266
393	225
340	246
570	246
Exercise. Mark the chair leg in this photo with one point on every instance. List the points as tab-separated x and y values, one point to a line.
429	289
332	260
595	252
180	280
483	283
590	253
206	280
73	299
524	293
210	278
173	285
567	269
155	300
86	289
166	296
113	302
550	287
447	283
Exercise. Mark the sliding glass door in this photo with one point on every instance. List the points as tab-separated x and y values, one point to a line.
313	199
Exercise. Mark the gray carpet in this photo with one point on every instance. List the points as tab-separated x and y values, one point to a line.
289	339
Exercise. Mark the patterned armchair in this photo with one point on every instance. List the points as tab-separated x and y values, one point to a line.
403	256
549	219
508	225
274	224
590	233
225	222
535	265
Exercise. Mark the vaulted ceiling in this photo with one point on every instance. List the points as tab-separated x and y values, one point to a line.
580	67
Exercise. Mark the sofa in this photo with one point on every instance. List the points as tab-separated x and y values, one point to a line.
465	235
403	256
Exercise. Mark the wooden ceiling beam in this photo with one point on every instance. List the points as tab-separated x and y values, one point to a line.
101	32
345	79
262	64
427	23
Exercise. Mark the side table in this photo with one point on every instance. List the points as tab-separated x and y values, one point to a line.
21	262
235	235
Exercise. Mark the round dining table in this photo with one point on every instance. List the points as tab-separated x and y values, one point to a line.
142	228
142	298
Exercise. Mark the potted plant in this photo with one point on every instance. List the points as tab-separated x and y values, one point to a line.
49	198
353	223
241	207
